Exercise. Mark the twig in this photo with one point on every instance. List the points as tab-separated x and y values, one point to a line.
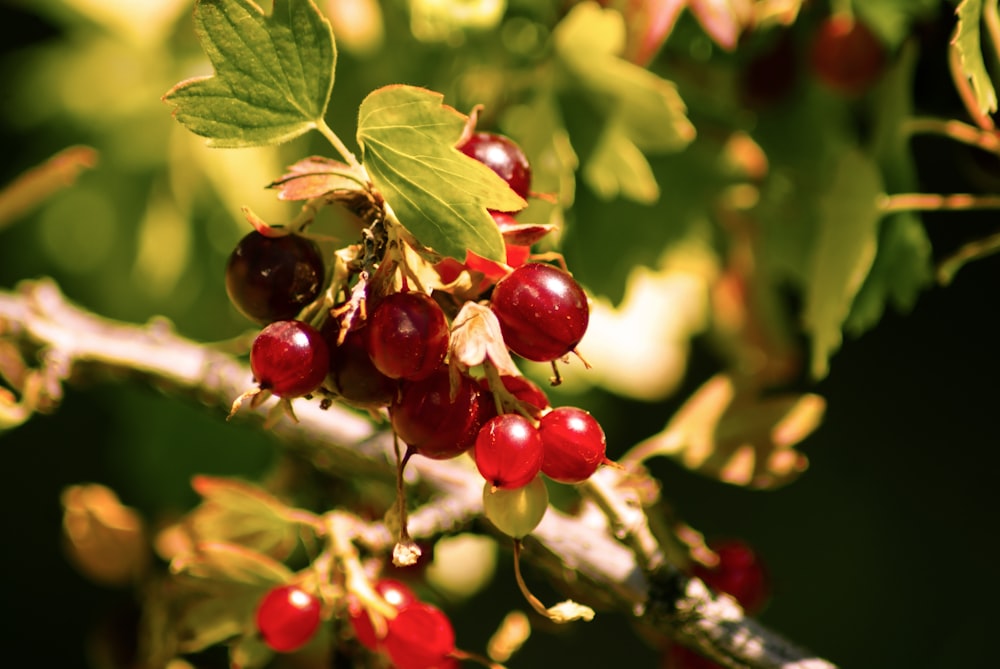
571	549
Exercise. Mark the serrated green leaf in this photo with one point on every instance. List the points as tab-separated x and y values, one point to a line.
215	618
215	564
842	258
235	512
617	167
407	137
966	40
273	73
644	112
902	269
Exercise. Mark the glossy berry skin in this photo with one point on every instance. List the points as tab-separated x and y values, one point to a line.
289	358
503	156
396	594
543	311
432	422
573	443
846	56
352	375
271	278
407	336
419	637
740	574
518	511
287	618
508	451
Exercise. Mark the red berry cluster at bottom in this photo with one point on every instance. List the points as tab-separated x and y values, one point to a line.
419	636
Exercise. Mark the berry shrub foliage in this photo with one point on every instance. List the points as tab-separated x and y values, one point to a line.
447	317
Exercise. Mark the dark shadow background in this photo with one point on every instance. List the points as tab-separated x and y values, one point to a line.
883	554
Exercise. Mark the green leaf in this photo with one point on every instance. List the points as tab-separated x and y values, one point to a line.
902	268
219	586
845	248
966	40
216	563
273	73
644	112
439	194
235	512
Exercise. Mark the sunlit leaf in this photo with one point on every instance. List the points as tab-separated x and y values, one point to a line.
273	73
34	186
215	563
735	435
618	168
966	40
235	512
315	177
902	269
644	111
439	194
845	248
723	20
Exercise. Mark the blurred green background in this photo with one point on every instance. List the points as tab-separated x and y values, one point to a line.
882	554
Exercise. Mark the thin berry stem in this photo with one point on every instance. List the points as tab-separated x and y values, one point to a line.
956	130
891	204
535	603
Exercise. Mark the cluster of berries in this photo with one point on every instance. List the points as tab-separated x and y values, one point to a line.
418	635
397	358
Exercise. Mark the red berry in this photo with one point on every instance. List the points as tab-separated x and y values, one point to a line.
740	574
508	451
846	55
420	637
542	310
287	618
573	443
352	374
289	358
396	594
431	421
272	278
503	156
407	336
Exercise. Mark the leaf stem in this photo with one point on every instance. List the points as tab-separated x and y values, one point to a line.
974	250
891	204
342	149
956	130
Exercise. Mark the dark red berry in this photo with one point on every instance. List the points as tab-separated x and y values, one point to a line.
287	618
289	358
503	156
846	55
740	574
420	637
432	421
543	311
396	594
573	443
407	336
352	375
508	451
272	278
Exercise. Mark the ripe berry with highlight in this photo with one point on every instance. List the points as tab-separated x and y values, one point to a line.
573	443
543	311
287	618
289	358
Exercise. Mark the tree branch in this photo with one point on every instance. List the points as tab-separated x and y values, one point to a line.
611	559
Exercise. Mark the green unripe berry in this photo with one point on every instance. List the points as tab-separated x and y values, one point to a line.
516	512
